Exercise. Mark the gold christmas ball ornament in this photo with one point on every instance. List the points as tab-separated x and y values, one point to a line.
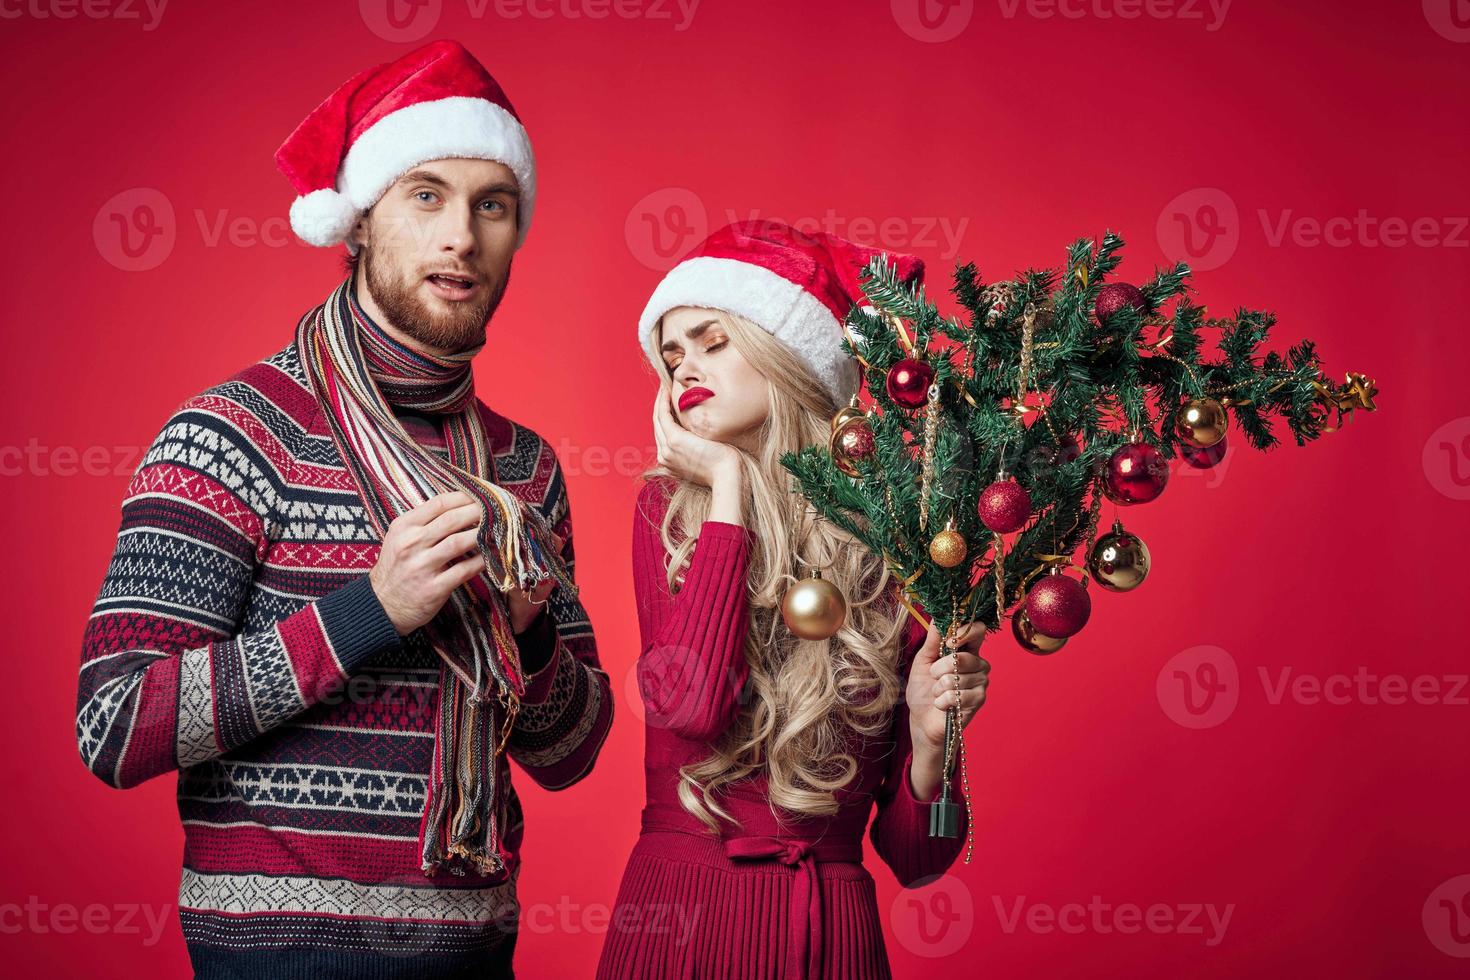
1119	560
814	609
849	413
852	442
1031	640
948	549
1201	422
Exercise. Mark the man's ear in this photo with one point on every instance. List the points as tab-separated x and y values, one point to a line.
359	233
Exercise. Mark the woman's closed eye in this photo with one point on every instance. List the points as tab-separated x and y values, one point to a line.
674	358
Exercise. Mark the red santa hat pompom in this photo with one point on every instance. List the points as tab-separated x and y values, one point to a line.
434	103
800	286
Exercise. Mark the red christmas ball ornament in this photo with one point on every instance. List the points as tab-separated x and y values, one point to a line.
909	381
1202	459
1069	449
1004	506
858	442
1136	474
1058	606
1114	296
1046	456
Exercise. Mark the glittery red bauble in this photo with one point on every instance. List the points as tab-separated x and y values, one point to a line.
1058	606
909	381
856	441
1113	296
1202	459
1137	473
1004	506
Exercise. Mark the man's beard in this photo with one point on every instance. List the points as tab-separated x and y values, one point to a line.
460	329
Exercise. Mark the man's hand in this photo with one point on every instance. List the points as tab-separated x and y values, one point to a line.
428	552
524	608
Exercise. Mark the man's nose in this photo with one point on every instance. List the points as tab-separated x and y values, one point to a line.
457	234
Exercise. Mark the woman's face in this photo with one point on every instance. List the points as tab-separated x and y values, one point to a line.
717	394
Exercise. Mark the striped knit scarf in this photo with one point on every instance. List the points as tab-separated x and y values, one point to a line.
358	373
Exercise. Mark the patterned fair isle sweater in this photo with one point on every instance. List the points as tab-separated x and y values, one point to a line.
237	640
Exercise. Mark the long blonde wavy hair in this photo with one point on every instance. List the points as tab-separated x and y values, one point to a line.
805	700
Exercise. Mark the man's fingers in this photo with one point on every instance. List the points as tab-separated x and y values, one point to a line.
459	572
454	545
457	519
436	505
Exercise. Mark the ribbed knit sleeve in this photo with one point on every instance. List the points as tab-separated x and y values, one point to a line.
691	667
168	679
900	831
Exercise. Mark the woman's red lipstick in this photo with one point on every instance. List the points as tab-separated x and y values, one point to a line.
693	397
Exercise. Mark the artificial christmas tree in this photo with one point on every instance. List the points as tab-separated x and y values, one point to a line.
1023	419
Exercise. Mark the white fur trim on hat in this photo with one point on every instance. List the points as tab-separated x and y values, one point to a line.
790	313
457	126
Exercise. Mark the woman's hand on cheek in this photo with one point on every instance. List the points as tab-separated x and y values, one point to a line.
686	455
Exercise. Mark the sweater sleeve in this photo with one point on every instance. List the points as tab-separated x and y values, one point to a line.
691	666
567	709
900	831
168	678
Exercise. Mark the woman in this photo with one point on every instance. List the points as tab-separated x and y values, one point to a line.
765	754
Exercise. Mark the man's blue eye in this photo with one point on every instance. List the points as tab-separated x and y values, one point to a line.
496	204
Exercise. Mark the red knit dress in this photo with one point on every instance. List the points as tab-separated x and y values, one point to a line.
776	897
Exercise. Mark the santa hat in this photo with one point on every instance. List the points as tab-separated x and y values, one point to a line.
433	103
799	286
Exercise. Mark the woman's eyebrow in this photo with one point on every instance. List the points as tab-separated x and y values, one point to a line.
693	333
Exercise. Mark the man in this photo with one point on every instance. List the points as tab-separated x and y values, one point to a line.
341	595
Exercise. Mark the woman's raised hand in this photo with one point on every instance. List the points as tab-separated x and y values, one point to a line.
688	456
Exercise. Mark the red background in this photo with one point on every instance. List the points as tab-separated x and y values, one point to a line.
1327	827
